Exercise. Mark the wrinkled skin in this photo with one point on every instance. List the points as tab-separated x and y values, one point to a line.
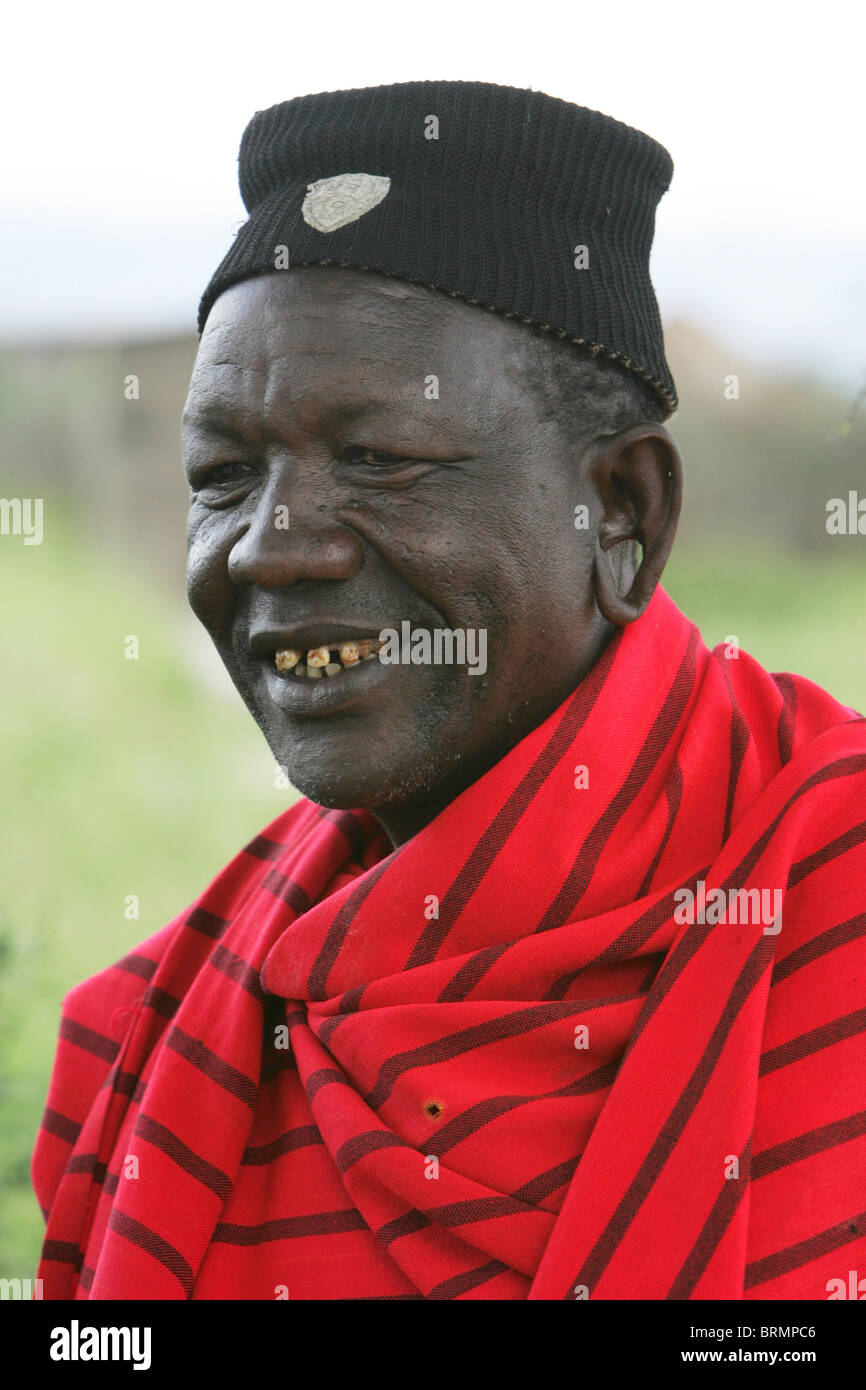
309	393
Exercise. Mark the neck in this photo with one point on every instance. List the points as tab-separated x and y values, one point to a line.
404	820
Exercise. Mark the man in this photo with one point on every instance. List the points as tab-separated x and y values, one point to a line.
552	987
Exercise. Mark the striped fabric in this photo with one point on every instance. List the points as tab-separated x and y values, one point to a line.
514	1071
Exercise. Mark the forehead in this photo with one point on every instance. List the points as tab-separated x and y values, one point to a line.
327	338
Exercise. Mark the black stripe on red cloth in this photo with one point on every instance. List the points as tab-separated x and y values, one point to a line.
756	964
135	964
262	848
325	1076
478	1035
287	891
475	1209
677	959
509	815
89	1040
299	1138
126	1083
206	923
350	828
484	1112
837	1030
89	1164
559	989
481	1209
821	945
194	1051
296	1018
160	1001
406	1225
349	1003
63	1252
319	1223
795	1256
530	1195
360	1145
337	932
464	1283
739	742
186	1158
472	972
787	723
60	1126
654	747
539	1188
238	970
673	795
832	850
154	1245
629	942
719	1219
813	1141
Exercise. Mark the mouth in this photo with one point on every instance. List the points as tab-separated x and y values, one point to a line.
327	660
320	668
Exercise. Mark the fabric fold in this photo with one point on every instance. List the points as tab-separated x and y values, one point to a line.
597	1031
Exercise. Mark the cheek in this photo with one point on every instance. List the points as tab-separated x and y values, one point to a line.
209	589
447	545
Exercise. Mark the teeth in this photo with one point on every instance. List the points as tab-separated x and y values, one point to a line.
322	661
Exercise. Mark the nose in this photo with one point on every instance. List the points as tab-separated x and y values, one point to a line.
293	536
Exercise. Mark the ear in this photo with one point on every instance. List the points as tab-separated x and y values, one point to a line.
638	475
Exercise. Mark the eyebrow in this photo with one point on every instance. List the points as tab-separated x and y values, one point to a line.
209	422
215	414
214	419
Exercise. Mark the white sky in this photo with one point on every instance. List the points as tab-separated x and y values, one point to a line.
122	125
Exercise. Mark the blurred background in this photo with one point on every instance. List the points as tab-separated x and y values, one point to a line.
121	129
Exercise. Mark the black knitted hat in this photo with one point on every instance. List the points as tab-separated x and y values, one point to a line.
484	192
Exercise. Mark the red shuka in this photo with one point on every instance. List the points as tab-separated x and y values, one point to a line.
500	1062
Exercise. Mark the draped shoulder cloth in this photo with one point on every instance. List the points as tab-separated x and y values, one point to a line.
597	1031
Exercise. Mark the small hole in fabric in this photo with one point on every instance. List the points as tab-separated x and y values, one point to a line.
434	1109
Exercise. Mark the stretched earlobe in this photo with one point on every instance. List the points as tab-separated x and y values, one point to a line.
619	609
639	475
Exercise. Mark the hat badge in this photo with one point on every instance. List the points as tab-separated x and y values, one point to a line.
337	201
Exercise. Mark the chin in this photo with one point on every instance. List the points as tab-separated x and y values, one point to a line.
405	781
336	793
335	784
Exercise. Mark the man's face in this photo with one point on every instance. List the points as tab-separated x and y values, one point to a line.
312	403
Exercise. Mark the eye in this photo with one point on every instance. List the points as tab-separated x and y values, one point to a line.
376	460
220	477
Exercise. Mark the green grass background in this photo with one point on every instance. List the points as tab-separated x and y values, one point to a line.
119	777
125	777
